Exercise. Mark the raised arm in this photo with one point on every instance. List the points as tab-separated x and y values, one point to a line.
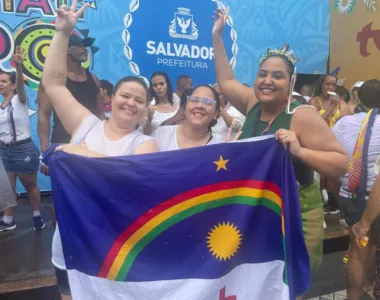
69	110
99	106
44	115
241	96
319	148
19	59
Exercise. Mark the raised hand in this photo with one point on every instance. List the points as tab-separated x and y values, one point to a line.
150	113
19	55
335	100
228	137
220	18
66	19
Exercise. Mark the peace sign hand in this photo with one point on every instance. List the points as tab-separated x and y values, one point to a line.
220	18
66	19
19	55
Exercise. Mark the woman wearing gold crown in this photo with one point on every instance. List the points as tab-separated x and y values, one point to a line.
298	128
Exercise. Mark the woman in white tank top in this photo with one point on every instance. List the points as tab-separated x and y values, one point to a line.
163	106
17	151
90	136
201	113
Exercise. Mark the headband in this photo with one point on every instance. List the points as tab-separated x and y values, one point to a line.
284	51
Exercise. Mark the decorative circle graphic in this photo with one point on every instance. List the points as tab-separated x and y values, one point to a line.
6	44
35	40
345	6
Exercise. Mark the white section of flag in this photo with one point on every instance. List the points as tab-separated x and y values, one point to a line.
247	282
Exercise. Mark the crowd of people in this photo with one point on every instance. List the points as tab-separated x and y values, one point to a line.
332	133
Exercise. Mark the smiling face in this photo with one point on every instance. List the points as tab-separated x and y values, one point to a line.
129	103
201	108
159	86
78	53
329	85
6	85
272	82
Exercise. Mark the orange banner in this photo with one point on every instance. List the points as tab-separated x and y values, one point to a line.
355	39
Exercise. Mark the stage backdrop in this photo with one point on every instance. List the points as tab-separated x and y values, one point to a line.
138	37
355	40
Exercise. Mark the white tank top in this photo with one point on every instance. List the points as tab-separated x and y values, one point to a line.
14	121
166	138
91	131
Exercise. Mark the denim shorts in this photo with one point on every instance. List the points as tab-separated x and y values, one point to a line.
353	211
22	159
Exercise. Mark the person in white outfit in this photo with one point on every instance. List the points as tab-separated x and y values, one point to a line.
200	115
17	151
163	105
90	136
229	118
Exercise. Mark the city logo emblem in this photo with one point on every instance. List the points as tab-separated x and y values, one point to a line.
175	44
183	25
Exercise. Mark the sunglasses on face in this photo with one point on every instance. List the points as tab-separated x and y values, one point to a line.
196	100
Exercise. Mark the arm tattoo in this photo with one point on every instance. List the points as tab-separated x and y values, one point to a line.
59	75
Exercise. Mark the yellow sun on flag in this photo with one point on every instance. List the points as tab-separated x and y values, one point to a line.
224	240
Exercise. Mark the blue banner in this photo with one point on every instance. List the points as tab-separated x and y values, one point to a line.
138	37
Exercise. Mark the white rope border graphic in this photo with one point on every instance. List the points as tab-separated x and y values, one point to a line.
126	36
370	4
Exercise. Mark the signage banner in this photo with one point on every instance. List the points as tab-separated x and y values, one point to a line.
355	40
138	37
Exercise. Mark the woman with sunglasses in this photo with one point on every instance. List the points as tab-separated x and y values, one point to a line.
19	154
201	113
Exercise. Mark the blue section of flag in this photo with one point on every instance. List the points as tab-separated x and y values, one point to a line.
97	199
191	235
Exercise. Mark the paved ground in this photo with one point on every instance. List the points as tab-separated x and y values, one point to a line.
18	272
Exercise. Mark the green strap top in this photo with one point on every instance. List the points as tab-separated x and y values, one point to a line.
282	121
304	174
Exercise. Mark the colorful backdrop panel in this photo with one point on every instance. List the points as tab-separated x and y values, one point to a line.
138	37
355	39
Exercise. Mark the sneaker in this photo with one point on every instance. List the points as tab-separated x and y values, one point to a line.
324	225
343	223
330	211
38	223
6	227
325	196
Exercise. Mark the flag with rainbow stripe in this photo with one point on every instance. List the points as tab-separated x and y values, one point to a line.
215	222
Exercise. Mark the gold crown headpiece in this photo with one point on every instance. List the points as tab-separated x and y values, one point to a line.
289	54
